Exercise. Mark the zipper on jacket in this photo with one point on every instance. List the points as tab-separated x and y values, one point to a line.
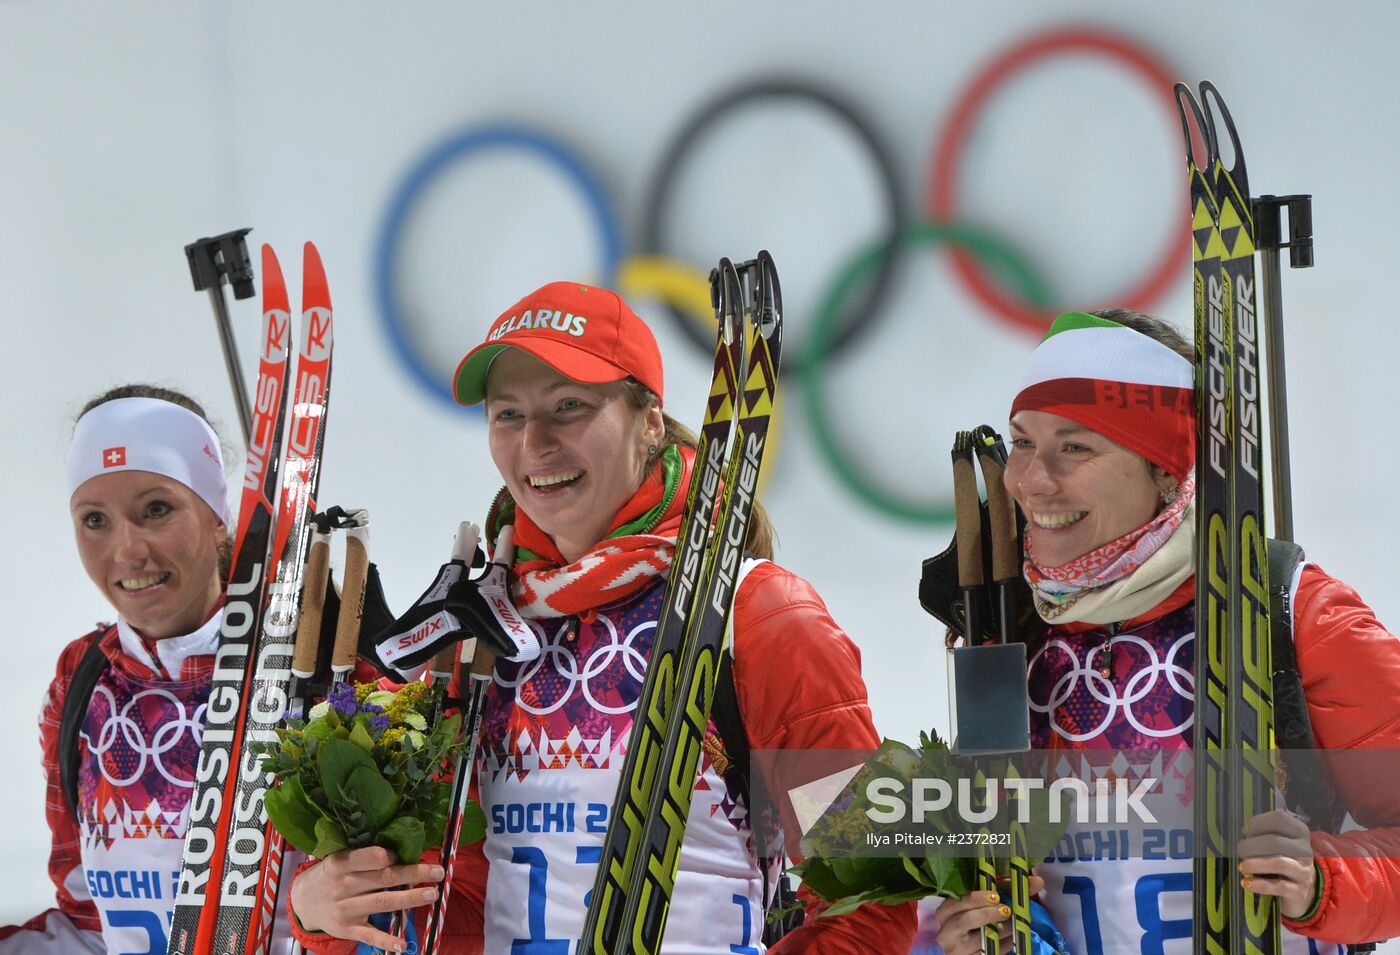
1106	654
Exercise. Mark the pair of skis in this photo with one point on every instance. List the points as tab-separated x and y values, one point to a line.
1234	732
641	853
231	869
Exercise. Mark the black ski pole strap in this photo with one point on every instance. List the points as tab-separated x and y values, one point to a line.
75	704
730	724
452	609
484	606
1306	786
420	633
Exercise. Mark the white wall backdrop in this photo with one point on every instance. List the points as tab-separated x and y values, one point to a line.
129	129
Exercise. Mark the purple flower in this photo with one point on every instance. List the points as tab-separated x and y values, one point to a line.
379	723
343	701
373	708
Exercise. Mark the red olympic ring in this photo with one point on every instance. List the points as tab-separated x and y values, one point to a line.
942	205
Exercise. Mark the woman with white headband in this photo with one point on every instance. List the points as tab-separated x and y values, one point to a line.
1102	466
150	513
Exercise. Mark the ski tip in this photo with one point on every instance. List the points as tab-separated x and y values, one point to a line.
315	293
274	285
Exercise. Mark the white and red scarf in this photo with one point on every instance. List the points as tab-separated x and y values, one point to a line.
637	550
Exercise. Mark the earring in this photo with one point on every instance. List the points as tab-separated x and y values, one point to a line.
651	450
1168	494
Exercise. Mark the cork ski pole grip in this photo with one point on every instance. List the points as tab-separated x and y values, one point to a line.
1006	556
352	595
313	604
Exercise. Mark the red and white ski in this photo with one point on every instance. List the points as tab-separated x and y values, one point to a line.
231	869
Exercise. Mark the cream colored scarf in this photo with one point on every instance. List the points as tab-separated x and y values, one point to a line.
1140	591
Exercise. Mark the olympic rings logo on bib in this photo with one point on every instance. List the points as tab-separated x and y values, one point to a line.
854	298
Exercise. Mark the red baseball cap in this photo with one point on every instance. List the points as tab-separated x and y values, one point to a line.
583	332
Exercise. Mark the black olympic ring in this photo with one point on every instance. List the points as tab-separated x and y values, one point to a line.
680	286
863	310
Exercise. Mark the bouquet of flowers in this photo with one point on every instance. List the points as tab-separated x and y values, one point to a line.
366	769
840	867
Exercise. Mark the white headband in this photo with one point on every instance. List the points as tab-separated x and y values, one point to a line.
147	434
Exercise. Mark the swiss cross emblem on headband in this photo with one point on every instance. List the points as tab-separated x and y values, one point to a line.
114	458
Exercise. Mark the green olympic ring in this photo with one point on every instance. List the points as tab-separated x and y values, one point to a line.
819	347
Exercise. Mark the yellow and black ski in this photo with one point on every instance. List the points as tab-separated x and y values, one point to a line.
641	853
1234	676
1255	925
1212	875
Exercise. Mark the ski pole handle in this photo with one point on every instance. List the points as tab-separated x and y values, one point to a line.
1006	550
968	533
313	605
212	260
352	595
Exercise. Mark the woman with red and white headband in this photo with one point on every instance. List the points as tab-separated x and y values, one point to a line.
1102	466
595	477
121	722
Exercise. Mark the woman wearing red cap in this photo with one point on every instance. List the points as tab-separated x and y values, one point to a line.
595	480
1102	463
121	722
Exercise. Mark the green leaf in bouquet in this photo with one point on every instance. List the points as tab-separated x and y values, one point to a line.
446	729
917	873
319	731
815	873
337	759
432	806
361	737
849	871
329	838
848	904
473	828
951	875
372	794
293	814
406	837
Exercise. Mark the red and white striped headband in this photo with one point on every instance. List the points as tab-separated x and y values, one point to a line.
1123	384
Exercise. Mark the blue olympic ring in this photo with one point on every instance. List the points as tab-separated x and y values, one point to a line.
438	159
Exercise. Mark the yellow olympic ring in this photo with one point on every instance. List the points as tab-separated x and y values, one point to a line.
683	286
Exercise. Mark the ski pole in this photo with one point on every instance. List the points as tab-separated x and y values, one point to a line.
968	532
313	606
1268	226
355	523
477	663
1006	568
211	260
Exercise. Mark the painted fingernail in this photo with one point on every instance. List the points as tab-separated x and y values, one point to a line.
1246	882
993	897
1004	911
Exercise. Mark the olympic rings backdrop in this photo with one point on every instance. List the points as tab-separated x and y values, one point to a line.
992	269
